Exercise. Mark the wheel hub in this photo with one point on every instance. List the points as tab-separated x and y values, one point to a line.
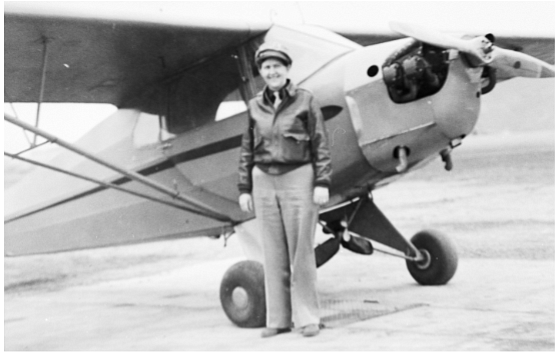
240	297
426	260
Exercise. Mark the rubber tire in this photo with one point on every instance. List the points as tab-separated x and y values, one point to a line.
443	256
248	275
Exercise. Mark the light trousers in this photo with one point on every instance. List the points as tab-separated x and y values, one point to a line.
284	206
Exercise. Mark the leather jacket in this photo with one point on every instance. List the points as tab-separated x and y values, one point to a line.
279	140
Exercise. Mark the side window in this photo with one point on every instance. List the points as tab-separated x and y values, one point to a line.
214	88
232	105
235	102
195	95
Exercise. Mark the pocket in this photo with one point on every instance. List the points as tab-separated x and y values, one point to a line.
295	147
257	140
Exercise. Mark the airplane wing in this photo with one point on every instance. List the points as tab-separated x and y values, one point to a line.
102	52
106	52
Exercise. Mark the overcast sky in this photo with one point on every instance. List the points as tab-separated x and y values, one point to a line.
508	16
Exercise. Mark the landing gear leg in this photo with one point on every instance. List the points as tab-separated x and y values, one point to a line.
431	257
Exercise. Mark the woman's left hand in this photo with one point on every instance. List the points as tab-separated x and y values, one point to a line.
321	195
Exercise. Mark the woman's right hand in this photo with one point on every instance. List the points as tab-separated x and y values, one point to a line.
245	202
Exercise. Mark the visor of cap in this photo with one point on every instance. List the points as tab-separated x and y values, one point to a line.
269	53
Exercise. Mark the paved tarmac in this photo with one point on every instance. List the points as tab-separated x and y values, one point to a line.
489	305
497	205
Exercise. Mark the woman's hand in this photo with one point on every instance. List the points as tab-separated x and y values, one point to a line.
321	195
245	202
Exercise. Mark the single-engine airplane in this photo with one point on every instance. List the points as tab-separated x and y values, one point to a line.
164	165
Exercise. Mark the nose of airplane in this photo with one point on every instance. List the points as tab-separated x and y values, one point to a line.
457	106
420	125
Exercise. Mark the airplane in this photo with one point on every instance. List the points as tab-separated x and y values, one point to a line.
164	165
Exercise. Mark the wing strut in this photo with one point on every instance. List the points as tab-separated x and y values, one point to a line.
42	81
202	209
102	183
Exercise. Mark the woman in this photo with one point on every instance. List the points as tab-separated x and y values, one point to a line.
285	170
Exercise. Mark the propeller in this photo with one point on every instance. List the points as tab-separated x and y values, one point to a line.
481	51
511	63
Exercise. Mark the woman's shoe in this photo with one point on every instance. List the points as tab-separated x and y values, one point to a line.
269	332
311	330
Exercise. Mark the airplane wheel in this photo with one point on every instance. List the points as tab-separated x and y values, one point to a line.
242	294
440	258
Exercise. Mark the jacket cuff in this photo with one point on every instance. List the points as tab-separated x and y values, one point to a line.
322	183
244	189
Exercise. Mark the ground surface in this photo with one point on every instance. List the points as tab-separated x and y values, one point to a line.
497	205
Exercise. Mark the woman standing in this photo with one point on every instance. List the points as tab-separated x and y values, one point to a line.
285	170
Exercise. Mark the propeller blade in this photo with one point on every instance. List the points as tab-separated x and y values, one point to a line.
482	52
480	47
428	35
511	64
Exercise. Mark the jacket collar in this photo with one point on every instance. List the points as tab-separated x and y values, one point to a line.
289	89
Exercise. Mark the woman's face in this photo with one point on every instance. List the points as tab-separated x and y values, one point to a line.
274	73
